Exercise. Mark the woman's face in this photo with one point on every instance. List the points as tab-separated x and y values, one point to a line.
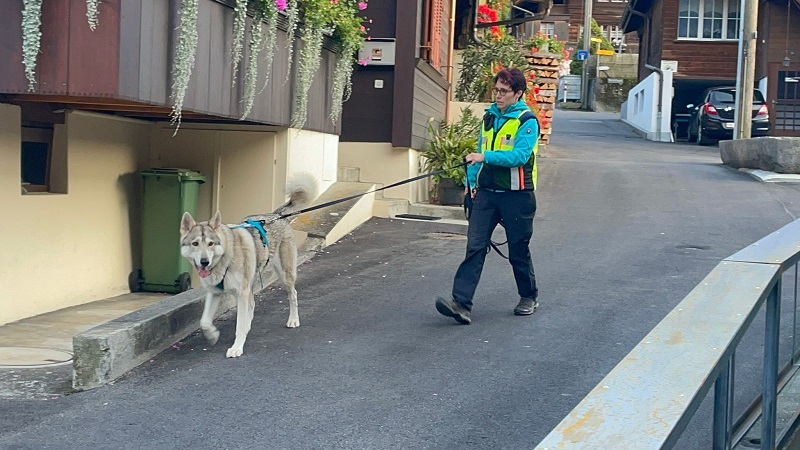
504	95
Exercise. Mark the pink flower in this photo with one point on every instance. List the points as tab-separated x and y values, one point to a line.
281	4
362	61
362	28
362	6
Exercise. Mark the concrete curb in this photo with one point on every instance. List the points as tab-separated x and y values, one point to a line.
771	177
106	352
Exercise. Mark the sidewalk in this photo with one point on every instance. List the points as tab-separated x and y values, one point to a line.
86	346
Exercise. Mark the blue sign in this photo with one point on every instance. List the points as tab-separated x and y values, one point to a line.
582	55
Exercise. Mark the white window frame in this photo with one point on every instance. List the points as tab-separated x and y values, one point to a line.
703	5
551	26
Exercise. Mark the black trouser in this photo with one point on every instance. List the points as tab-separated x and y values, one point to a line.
516	209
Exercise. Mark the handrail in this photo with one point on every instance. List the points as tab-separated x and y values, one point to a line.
646	401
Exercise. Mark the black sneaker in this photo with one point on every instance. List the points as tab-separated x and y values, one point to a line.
450	308
526	306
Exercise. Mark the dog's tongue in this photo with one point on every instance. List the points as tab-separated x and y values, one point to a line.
203	272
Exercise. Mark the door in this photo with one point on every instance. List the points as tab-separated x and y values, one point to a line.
784	95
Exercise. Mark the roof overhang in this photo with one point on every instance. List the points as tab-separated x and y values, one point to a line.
522	11
632	19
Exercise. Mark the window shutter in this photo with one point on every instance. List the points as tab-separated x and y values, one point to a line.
436	31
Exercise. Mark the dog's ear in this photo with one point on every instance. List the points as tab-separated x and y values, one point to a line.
187	223
215	221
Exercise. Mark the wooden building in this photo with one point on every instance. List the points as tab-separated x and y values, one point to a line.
397	95
704	44
566	22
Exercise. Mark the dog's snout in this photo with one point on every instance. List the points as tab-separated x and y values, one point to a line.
204	262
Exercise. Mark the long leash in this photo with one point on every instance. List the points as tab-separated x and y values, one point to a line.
341	200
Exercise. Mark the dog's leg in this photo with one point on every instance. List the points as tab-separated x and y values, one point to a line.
288	272
244	318
207	320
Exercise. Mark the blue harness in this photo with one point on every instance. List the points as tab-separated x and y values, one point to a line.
258	225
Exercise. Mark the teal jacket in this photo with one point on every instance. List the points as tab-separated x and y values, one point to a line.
523	143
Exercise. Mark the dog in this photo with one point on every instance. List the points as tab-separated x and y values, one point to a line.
229	259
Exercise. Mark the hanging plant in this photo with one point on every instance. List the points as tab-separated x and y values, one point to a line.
239	25
183	62
339	17
293	16
308	64
91	13
261	40
31	38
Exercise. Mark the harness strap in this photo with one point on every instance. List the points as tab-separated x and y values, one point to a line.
258	225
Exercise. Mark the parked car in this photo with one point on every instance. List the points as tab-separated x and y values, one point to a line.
712	119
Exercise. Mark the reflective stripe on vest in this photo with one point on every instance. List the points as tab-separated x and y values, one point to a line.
515	178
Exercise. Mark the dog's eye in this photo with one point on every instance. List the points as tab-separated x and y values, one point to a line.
210	244
195	244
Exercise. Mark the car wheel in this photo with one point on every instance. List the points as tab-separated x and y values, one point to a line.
701	139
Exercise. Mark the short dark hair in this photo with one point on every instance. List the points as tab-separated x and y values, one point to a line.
512	77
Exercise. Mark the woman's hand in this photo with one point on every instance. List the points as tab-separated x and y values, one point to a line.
473	158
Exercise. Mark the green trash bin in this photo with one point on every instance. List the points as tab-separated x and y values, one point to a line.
168	193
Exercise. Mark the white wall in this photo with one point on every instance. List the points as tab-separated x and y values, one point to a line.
642	108
383	164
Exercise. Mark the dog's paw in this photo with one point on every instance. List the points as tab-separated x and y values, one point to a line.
293	322
234	352
212	336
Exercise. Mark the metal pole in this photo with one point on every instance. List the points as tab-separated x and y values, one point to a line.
723	411
738	100
587	45
770	391
749	36
794	319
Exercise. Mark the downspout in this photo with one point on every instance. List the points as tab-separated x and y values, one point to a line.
660	95
475	37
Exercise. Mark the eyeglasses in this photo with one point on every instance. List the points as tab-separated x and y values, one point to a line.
501	91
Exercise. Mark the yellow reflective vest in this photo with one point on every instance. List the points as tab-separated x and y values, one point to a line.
505	178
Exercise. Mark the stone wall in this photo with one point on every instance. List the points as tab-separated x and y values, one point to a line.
775	154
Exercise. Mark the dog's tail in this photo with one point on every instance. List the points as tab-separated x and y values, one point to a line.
302	190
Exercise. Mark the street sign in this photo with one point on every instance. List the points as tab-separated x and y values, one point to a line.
582	55
605	52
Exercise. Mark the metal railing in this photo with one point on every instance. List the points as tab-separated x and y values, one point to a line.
648	399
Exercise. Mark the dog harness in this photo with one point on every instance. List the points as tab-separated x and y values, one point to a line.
258	225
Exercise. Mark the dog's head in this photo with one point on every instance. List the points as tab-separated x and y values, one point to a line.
201	243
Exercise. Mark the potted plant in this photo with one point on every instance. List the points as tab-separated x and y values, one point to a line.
446	149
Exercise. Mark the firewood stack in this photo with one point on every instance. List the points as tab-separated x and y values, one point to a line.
545	66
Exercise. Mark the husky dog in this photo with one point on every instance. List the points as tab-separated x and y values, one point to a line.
229	259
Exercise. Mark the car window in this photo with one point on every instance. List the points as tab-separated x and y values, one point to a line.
729	96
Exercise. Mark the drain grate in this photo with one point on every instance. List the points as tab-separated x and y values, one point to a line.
448	236
26	357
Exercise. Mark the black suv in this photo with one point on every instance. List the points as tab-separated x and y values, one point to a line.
713	118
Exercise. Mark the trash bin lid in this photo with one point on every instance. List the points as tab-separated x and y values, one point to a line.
181	174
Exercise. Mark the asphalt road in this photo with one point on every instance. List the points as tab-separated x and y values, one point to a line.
625	229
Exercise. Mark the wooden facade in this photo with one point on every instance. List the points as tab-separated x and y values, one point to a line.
704	63
125	65
415	88
567	19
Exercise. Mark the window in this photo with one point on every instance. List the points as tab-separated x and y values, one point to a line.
548	29
36	156
708	19
432	32
612	32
